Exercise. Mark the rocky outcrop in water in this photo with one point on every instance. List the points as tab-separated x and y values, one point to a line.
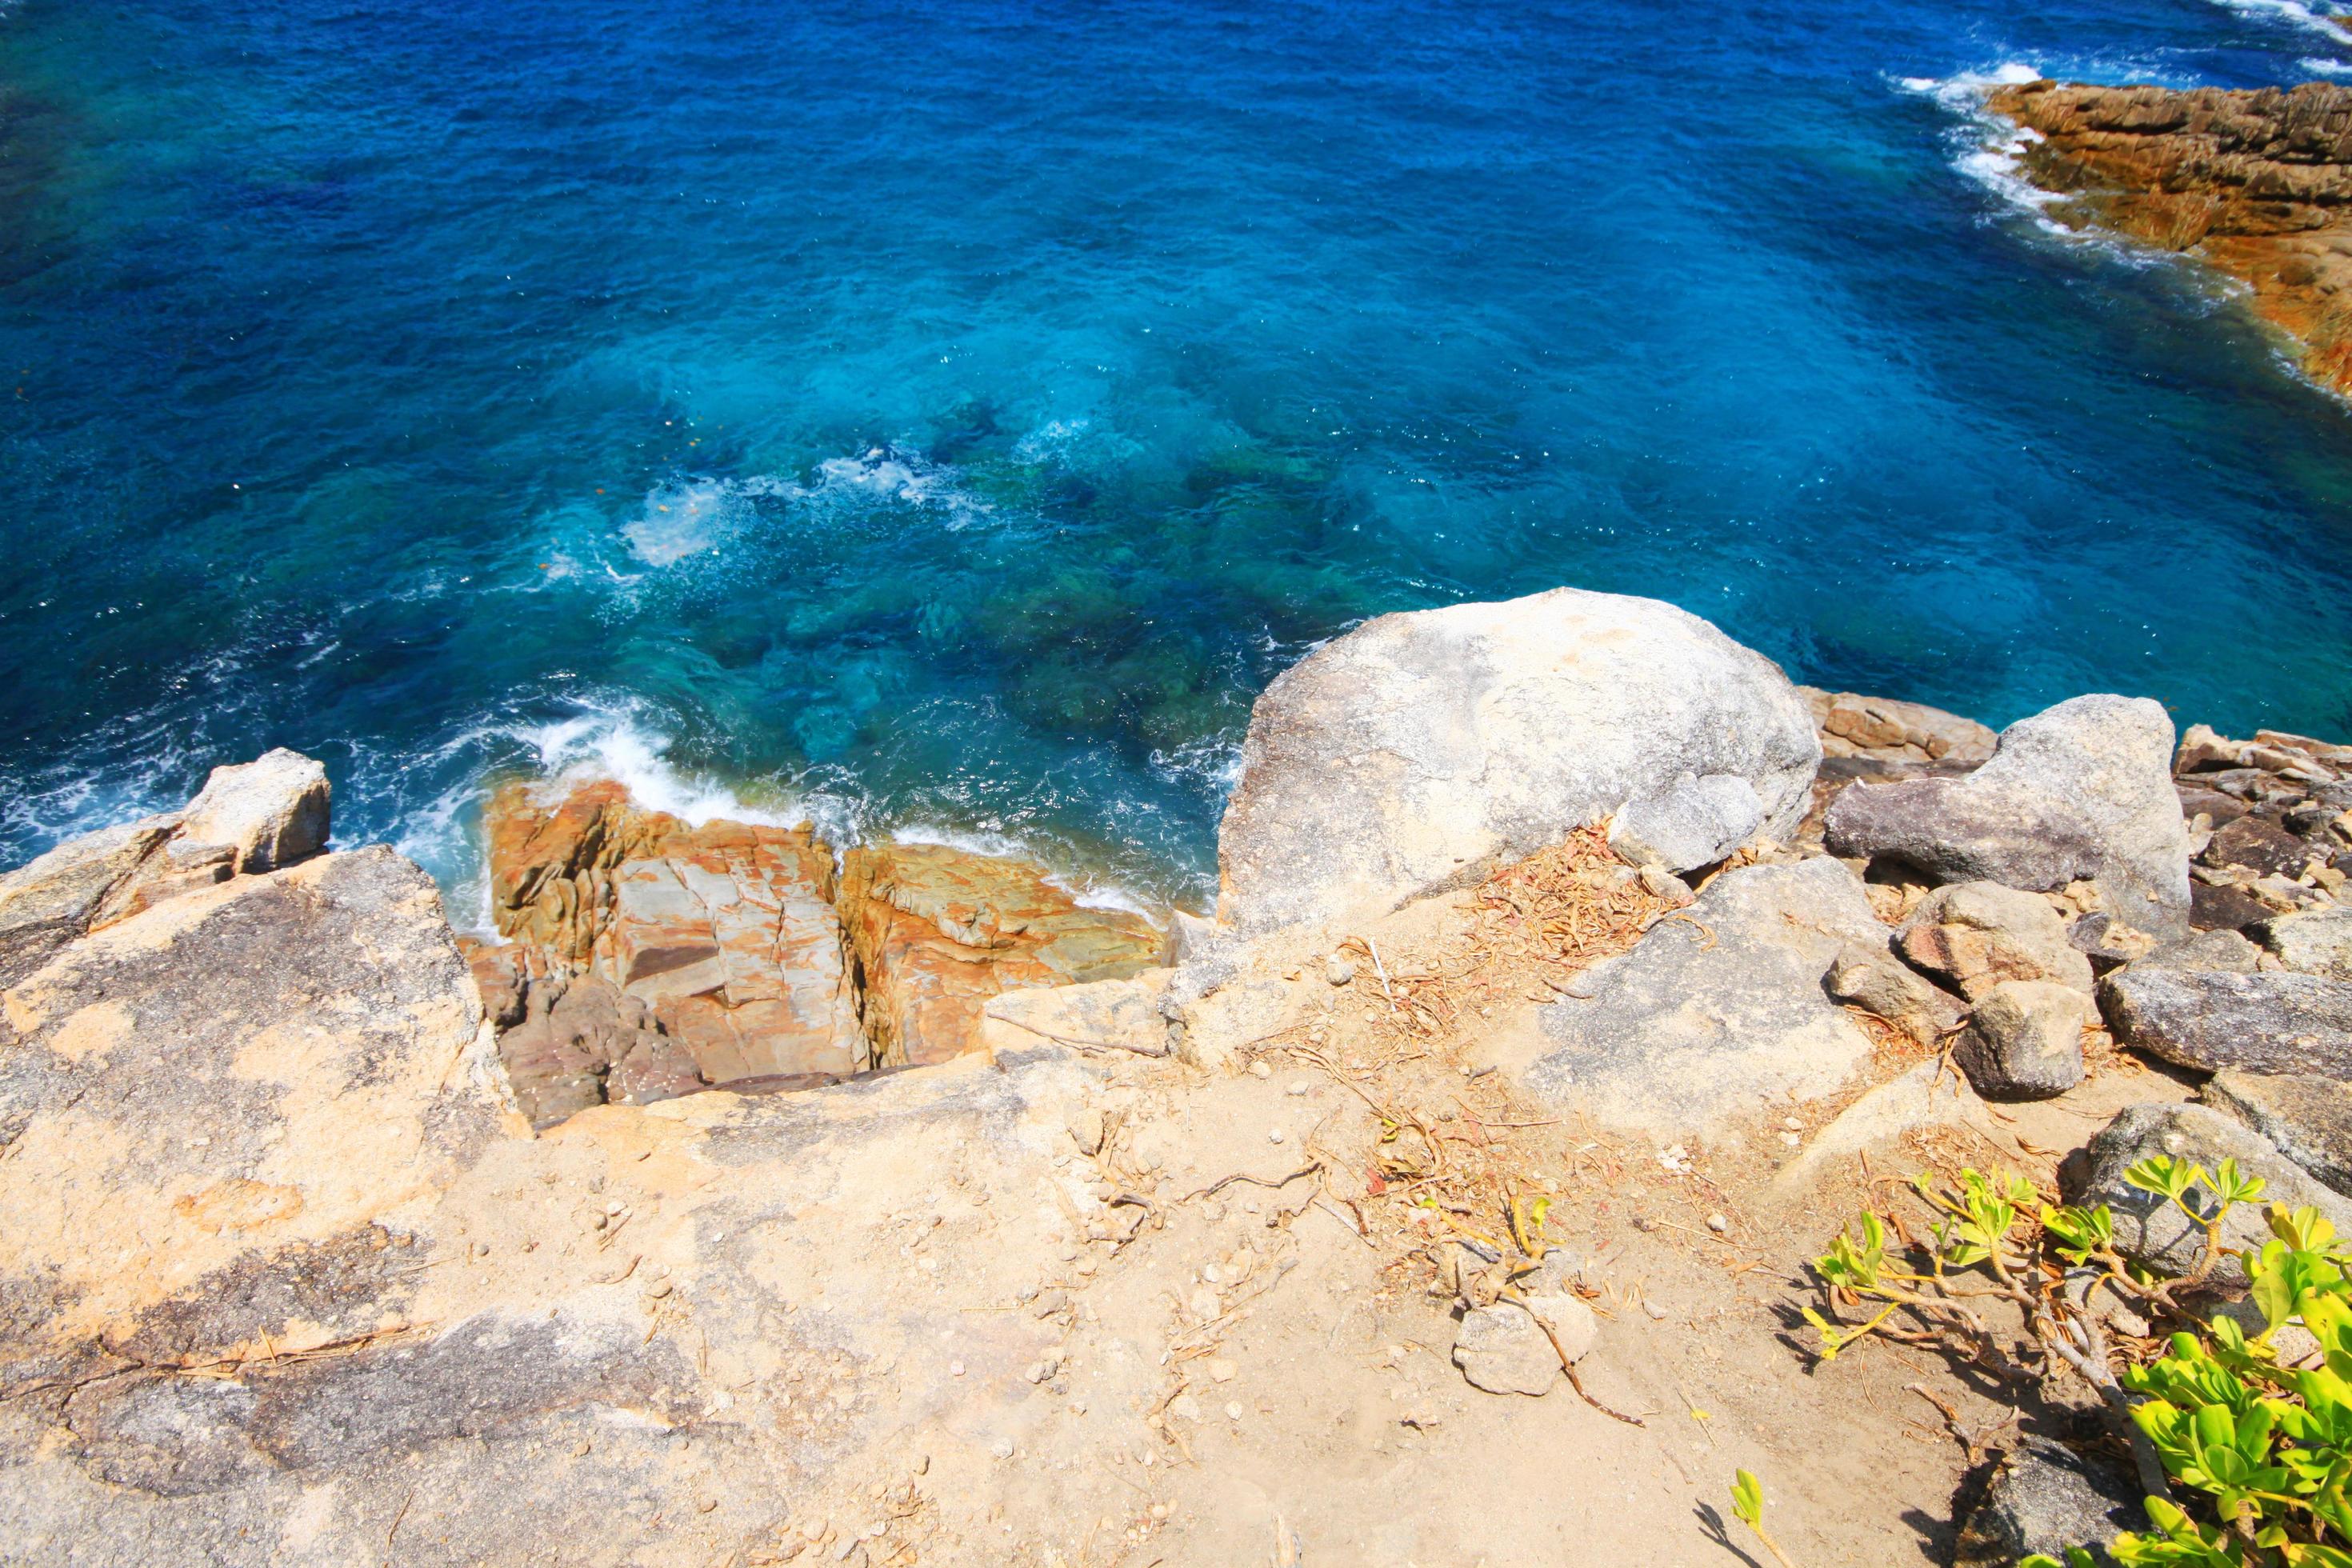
2258	182
649	957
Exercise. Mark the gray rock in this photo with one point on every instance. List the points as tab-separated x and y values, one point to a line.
1694	821
2317	942
272	811
2024	1041
1503	1349
2081	791
2308	1119
1420	749
2211	1019
1868	975
1720	1013
2219	951
1980	935
2046	1498
2150	1229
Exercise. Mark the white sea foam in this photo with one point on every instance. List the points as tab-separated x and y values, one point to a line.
612	744
2318	67
1216	763
1990	148
698	514
2292	12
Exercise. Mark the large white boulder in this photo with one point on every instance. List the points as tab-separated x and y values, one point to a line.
1420	749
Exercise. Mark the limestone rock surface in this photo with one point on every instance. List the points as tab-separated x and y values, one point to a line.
2079	792
1420	749
1718	1014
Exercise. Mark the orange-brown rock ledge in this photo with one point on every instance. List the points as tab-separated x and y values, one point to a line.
648	958
2258	182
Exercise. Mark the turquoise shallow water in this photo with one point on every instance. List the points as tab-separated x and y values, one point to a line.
946	417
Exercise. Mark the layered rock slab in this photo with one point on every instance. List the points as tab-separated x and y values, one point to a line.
1423	749
1720	1010
934	933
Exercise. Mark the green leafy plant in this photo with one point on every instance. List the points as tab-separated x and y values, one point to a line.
2260	1453
1747	1504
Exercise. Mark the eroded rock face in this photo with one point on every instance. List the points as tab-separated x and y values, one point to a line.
281	1281
1717	1014
726	931
936	932
2080	792
651	957
1420	749
2258	182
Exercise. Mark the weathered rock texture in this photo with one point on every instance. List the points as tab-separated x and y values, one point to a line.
281	1281
2047	1497
2211	1019
651	957
2258	182
2079	792
1719	1011
934	931
269	812
1419	750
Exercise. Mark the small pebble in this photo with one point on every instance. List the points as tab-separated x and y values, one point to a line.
1002	1448
1275	1136
1717	1224
598	1221
1792	1124
1221	1370
955	1369
1259	1069
1160	1510
613	1207
657	1290
1339	970
706	1505
1234	1410
1296	1089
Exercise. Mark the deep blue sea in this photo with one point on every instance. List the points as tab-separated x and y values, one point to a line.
946	417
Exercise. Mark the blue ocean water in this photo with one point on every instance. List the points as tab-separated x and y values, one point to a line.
946	417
